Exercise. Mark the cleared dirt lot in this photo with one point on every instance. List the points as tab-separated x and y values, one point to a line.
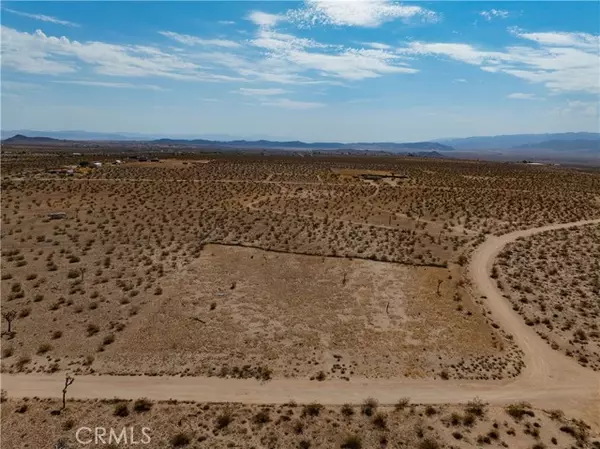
306	316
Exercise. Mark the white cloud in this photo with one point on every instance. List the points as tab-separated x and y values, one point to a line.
579	108
363	13
521	96
493	14
41	17
331	61
261	92
226	22
186	39
111	84
459	80
378	45
42	54
567	68
291	104
264	19
578	40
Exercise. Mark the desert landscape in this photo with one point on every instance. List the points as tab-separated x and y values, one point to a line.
553	281
238	284
368	424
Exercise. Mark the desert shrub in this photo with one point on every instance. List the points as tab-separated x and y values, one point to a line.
402	403
224	419
43	348
304	444
429	443
469	419
262	417
518	411
369	406
321	376
380	420
180	440
121	410
298	427
142	405
68	424
351	442
455	418
347	410
556	415
430	410
475	407
312	409
23	360
92	329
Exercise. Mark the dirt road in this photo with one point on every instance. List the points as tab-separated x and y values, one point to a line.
550	379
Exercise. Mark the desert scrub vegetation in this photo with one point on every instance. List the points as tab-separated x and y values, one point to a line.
175	424
130	229
553	281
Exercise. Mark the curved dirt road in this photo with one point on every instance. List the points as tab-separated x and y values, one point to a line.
549	380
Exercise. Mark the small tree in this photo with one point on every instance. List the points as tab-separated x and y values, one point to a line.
9	316
68	381
82	272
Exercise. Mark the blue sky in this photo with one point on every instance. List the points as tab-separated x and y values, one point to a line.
317	70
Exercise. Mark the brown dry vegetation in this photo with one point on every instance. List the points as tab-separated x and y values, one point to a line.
36	423
553	281
150	260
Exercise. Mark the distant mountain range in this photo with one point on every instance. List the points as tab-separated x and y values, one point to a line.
538	141
581	142
564	145
21	139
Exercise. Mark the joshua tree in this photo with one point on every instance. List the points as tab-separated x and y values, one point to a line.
9	316
68	381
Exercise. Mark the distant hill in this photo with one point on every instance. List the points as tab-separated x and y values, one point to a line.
564	145
504	142
21	139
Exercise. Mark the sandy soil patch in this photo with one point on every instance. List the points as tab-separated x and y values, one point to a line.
236	311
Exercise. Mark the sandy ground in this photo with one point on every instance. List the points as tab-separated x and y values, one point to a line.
550	379
237	306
